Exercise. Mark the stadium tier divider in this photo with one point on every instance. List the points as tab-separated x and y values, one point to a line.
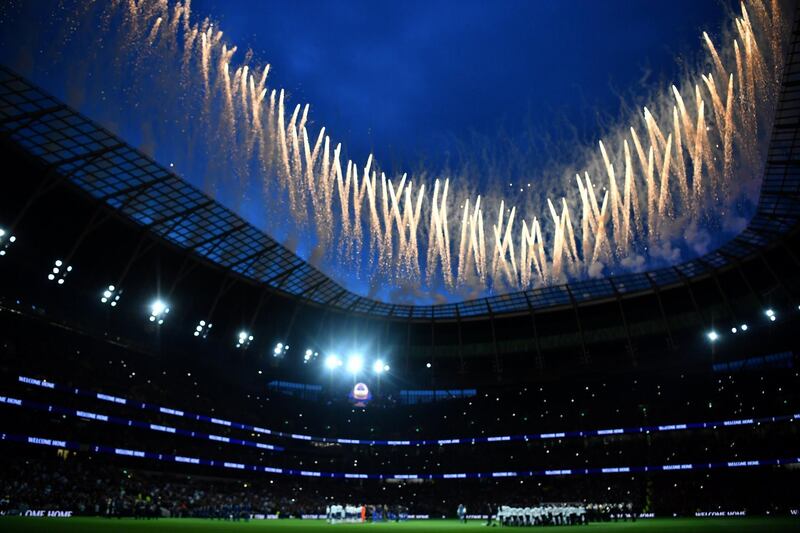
126	452
127	422
43	383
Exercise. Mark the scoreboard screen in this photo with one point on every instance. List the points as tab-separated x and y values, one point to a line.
360	395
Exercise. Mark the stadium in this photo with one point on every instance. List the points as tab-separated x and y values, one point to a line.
396	352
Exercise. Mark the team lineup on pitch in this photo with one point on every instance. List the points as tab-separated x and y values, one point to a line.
102	525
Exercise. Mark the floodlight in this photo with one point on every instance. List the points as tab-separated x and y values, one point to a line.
158	307
427	365
280	349
743	327
111	296
734	330
712	335
202	329
244	339
332	361
59	272
354	364
770	312
158	311
379	367
6	241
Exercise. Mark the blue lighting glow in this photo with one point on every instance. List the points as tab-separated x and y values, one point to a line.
71	445
416	442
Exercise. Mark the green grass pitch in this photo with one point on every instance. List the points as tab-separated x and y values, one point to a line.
91	525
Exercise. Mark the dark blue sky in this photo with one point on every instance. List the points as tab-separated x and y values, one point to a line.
411	81
403	78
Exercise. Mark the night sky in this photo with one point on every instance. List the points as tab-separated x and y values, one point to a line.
415	82
406	80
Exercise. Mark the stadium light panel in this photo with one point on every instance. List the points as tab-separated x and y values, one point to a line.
111	296
202	329
244	339
158	311
280	349
59	272
6	241
158	307
355	363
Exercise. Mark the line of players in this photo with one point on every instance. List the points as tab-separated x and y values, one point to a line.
336	514
557	514
554	514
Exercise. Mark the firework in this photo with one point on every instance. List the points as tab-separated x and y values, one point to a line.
676	163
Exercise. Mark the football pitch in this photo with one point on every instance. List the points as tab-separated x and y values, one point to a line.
90	525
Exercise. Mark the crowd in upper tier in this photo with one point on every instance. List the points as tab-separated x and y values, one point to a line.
627	400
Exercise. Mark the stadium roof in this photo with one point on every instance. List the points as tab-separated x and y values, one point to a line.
76	149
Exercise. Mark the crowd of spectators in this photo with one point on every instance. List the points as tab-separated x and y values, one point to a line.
101	486
97	484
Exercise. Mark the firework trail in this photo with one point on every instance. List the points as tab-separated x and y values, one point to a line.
684	163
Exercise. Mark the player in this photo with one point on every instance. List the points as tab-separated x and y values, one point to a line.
462	513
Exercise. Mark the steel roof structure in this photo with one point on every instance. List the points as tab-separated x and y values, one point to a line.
80	151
